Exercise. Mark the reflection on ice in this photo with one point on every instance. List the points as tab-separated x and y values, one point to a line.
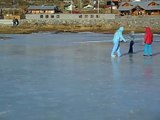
131	58
116	69
148	70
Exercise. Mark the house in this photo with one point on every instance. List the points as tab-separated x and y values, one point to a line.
36	12
70	7
88	7
43	9
140	8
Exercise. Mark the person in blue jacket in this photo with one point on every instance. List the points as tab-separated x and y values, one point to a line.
118	37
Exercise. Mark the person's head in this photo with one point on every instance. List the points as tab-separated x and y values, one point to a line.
132	32
148	29
121	29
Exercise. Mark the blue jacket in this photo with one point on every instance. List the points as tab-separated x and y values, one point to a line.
118	36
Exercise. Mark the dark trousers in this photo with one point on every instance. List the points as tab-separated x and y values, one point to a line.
131	47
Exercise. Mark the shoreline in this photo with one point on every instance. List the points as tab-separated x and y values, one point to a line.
28	29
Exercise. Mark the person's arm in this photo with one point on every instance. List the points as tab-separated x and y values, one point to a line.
145	38
122	38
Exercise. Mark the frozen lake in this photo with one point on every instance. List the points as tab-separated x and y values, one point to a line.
70	76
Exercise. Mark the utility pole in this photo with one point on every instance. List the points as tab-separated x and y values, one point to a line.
80	5
71	6
111	7
13	3
98	7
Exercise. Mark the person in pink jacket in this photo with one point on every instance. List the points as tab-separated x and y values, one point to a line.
148	39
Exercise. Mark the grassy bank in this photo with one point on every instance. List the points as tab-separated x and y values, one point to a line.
28	28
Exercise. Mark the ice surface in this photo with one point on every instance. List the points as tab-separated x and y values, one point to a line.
71	76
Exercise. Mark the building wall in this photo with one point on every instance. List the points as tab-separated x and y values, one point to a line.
6	22
70	16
